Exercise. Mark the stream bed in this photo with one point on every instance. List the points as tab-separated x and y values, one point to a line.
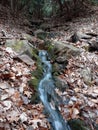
48	95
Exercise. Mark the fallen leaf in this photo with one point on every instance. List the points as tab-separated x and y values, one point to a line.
7	105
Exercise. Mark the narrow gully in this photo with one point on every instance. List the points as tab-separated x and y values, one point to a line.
48	95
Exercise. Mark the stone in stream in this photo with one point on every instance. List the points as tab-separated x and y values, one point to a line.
60	53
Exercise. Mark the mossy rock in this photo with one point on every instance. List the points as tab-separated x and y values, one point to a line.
55	69
50	49
40	34
65	49
60	83
34	83
18	46
36	76
35	54
34	98
77	124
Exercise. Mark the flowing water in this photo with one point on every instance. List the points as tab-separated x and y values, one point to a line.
48	95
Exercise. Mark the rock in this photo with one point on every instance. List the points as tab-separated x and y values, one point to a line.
26	59
4	85
96	82
74	38
61	84
36	22
26	23
40	34
93	34
24	50
60	53
96	126
23	117
27	37
77	36
19	46
30	128
93	45
65	50
77	124
62	63
45	26
87	76
61	60
56	69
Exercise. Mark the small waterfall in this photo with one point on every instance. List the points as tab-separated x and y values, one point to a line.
47	94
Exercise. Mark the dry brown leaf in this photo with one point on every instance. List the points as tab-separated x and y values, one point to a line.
75	112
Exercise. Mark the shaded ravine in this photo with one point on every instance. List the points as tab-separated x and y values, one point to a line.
48	95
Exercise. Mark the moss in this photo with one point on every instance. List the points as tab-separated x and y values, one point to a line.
34	82
34	98
35	54
36	76
18	46
77	124
50	49
86	48
55	69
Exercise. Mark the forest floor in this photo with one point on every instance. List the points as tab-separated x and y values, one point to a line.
16	111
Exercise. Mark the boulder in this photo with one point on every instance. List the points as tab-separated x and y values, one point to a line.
27	37
19	46
93	45
25	52
86	75
61	60
45	26
77	124
65	50
61	84
26	59
78	36
40	34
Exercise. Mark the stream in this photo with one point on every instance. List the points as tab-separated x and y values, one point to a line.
48	95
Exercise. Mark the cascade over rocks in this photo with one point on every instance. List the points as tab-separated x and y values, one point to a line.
74	71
